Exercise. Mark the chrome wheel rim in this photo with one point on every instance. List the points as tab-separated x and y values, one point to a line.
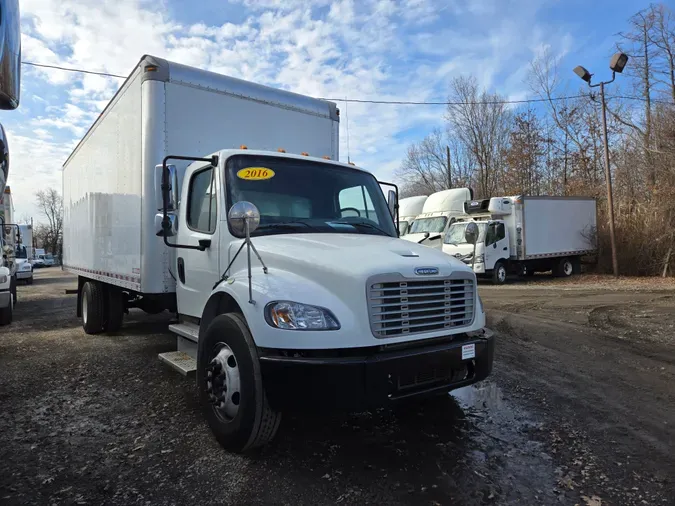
567	268
223	383
501	274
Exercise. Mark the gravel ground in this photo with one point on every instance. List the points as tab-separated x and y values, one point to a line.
580	410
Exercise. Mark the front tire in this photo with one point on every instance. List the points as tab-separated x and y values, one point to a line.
92	307
499	273
231	388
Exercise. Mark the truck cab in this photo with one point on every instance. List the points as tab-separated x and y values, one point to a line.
294	304
491	251
409	209
441	210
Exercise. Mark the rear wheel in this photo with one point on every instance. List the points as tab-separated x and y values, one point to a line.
231	387
565	268
6	313
92	307
499	273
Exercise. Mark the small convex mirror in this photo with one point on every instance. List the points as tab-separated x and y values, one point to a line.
471	233
239	214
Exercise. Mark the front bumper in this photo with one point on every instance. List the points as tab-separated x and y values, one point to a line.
24	274
374	377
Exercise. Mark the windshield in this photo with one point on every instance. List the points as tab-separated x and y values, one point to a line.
302	196
456	231
21	252
403	227
434	225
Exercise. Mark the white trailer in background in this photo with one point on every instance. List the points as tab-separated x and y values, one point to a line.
325	307
440	210
524	235
408	209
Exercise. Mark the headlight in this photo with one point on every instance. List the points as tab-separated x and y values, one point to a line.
296	316
480	259
3	279
25	267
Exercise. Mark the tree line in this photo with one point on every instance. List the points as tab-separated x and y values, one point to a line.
557	148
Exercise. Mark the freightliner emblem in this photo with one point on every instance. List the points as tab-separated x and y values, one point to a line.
426	271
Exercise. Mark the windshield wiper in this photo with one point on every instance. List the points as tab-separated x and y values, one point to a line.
362	224
290	225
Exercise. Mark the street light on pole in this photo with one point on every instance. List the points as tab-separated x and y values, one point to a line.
616	64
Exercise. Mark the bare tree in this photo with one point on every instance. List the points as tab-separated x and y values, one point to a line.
50	204
424	169
481	122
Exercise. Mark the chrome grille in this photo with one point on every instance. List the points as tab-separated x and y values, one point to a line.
411	307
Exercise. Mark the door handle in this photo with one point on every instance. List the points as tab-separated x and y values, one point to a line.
204	243
505	248
181	270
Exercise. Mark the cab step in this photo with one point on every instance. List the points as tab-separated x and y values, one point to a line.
180	361
184	360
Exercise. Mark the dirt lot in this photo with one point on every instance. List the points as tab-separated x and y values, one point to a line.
580	410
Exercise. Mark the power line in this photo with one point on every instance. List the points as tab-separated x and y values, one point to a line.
385	102
106	74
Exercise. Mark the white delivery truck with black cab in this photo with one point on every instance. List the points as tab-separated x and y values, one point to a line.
291	286
522	235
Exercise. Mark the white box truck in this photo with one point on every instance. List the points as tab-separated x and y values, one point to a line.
523	235
440	211
179	198
408	209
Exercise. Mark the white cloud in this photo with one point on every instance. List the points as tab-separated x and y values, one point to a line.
382	49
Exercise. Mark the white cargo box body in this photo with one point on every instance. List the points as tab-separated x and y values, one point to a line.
553	226
110	188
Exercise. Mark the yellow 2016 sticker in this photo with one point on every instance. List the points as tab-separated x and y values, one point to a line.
255	173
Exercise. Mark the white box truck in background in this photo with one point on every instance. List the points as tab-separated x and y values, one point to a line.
523	235
408	209
325	307
440	210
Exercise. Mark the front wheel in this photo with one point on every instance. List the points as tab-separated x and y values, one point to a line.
231	387
499	273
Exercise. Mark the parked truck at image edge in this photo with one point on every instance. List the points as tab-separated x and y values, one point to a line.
10	94
323	308
408	209
523	235
440	210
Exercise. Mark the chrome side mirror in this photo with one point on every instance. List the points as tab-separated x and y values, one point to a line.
159	231
471	233
391	203
241	213
172	203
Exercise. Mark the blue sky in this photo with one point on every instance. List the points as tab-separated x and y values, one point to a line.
370	49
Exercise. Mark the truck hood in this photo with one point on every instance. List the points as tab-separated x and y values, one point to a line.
351	255
437	243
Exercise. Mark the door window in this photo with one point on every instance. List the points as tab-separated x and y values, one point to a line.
355	201
201	211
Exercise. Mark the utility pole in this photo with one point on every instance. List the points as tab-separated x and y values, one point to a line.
616	64
608	179
447	154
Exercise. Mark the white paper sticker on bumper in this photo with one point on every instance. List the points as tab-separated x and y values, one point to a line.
468	351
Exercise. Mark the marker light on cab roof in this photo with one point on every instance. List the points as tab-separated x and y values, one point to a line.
304	153
281	150
326	157
243	146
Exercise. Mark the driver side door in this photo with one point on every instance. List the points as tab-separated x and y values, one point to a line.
496	243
